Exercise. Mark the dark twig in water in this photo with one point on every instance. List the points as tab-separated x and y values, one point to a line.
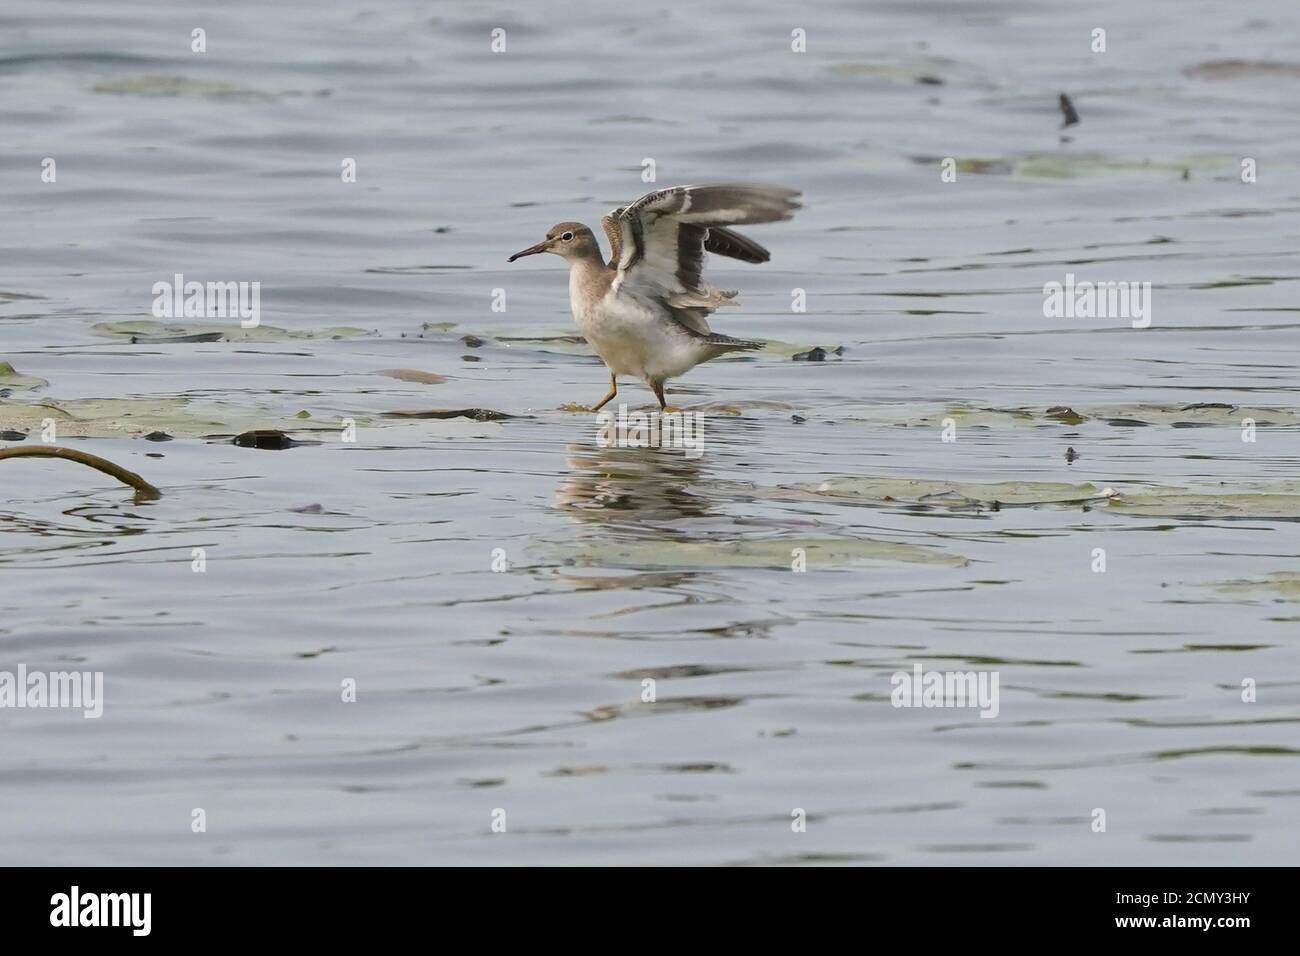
142	487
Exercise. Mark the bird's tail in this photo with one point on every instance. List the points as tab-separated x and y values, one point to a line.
725	343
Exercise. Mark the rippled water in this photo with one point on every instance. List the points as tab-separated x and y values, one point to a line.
521	691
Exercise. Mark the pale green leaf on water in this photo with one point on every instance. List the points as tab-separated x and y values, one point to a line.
1076	165
135	417
1177	503
1081	165
1281	502
558	344
934	415
923	491
1195	414
412	375
1242	69
472	414
1283	584
1065	415
986	167
149	331
771	347
1174	415
154	84
775	553
1274	486
9	378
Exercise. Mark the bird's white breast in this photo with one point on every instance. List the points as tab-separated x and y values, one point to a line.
634	337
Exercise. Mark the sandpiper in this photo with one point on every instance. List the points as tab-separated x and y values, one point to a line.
644	311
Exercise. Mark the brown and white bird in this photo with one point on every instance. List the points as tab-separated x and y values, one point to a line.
645	311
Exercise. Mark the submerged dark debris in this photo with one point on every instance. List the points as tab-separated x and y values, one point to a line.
817	354
268	438
1070	116
474	414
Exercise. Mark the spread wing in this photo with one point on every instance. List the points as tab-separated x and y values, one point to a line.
658	242
718	239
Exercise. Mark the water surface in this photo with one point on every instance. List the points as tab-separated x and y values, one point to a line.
372	560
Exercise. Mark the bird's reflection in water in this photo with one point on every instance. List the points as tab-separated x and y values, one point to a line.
636	488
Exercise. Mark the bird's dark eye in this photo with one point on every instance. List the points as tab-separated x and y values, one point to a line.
567	237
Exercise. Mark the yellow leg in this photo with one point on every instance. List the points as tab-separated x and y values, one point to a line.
659	394
613	390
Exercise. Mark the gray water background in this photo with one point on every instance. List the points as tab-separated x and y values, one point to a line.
522	690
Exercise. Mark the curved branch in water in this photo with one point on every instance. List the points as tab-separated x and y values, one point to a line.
142	487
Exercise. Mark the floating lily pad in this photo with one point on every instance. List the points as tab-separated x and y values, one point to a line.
11	379
151	331
1081	165
168	85
473	414
920	491
1284	584
1065	415
1202	414
986	167
412	375
776	553
1073	165
1281	502
1177	503
558	344
1241	69
140	417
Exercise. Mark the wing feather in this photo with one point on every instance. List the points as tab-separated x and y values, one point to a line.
659	241
614	233
728	242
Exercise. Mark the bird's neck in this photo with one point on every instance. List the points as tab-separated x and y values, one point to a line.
592	260
588	280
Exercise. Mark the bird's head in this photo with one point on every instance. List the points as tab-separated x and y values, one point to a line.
572	240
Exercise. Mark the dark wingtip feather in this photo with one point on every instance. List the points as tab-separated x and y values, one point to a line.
724	242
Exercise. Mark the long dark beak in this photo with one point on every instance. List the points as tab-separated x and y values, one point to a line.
531	250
